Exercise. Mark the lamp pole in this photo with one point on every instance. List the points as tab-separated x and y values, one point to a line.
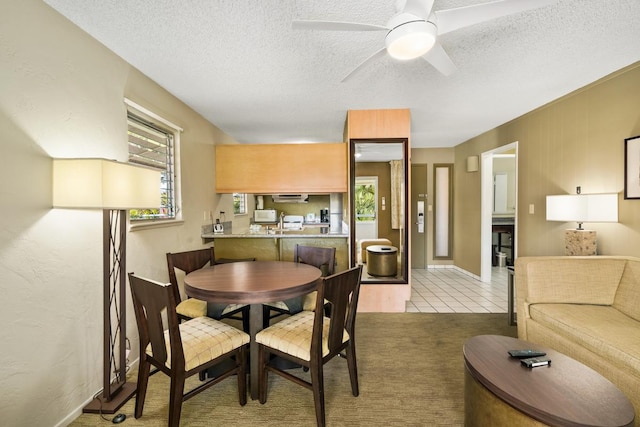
114	255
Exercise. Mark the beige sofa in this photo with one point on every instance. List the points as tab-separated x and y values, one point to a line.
587	308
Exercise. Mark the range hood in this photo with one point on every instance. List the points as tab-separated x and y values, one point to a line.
290	198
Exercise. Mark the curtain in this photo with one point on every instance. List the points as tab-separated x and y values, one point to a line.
397	194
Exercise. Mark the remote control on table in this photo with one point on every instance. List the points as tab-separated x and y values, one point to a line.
520	354
534	362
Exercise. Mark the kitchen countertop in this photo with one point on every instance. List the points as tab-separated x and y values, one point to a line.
311	232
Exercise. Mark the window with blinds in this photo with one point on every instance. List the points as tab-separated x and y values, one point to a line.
154	146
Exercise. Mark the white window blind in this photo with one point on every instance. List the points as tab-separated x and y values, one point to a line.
153	146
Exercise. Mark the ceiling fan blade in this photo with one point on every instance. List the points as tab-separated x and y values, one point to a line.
452	19
420	8
440	60
367	61
336	26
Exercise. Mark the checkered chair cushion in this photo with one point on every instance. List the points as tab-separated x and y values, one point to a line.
204	339
293	335
193	308
308	302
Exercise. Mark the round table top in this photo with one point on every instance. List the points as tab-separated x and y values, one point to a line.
252	282
563	393
382	249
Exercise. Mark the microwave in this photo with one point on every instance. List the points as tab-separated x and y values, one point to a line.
265	215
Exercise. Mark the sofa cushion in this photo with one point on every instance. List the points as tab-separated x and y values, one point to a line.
601	329
574	280
628	295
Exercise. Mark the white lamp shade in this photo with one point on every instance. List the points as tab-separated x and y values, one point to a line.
104	184
583	208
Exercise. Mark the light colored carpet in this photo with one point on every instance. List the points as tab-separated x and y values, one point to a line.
411	373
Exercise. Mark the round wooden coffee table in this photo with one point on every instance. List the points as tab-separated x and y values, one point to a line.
500	391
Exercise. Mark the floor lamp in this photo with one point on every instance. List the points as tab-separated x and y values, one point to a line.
115	188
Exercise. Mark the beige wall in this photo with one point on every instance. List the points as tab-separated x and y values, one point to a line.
61	95
577	140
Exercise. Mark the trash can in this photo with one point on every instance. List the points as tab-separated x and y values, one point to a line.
382	260
502	259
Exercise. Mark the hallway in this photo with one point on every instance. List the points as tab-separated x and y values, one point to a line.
448	290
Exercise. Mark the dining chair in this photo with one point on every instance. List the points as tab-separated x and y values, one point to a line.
182	349
311	339
324	259
192	307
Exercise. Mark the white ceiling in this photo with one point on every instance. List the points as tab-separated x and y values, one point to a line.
241	65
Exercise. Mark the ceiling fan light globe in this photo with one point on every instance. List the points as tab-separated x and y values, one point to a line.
411	40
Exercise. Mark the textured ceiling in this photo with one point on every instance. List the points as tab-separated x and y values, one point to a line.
242	66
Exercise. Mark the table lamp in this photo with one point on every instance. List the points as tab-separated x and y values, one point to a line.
582	208
115	188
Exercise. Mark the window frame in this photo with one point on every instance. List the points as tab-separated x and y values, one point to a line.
366	181
243	203
145	114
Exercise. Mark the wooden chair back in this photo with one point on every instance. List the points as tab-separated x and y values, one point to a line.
215	342
187	262
341	292
287	338
150	299
323	258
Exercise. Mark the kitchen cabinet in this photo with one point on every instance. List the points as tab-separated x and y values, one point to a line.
281	168
268	247
379	124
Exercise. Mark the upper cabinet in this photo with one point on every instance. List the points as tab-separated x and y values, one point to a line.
281	168
378	124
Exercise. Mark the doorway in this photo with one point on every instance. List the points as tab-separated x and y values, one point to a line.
366	206
494	172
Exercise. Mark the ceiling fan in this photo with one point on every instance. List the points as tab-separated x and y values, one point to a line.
413	31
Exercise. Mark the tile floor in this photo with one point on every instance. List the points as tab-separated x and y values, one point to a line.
448	290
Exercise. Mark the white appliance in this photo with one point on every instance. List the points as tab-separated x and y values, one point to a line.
265	215
290	198
292	222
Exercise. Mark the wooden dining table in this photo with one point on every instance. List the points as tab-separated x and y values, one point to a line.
253	283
